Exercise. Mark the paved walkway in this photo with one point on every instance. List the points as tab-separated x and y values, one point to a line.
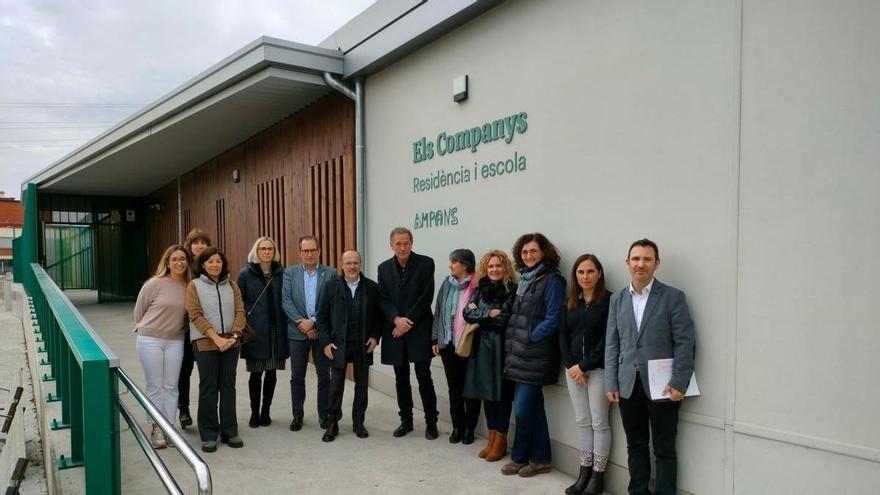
14	370
276	460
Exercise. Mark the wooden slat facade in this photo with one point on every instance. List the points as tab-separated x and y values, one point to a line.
296	178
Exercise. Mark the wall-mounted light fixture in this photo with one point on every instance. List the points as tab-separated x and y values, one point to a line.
460	88
235	176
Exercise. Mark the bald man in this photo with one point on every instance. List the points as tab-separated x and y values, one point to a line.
349	328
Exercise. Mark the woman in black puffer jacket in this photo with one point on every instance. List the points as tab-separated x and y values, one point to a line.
489	306
532	347
260	284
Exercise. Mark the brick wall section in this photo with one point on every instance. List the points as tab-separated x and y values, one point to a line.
11	213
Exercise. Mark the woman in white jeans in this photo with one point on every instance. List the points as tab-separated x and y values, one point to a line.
161	319
582	342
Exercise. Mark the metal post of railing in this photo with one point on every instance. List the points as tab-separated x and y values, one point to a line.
199	466
74	402
101	424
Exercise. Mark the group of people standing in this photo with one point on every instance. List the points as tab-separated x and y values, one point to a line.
502	327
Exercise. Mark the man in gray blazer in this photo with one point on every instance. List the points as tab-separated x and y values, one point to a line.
648	320
299	299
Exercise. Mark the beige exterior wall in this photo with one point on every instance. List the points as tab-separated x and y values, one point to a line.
740	136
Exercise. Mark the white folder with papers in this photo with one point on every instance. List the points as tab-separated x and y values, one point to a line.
659	374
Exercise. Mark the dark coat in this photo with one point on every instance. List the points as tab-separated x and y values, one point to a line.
332	320
582	335
270	343
484	378
411	298
529	360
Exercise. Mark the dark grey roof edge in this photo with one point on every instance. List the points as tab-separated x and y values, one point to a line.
392	29
260	53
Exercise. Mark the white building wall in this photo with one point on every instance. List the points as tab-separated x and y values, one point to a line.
806	338
761	195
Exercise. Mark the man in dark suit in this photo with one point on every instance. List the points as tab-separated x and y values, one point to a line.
300	296
406	288
648	320
349	328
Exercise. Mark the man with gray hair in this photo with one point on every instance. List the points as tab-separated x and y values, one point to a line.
406	287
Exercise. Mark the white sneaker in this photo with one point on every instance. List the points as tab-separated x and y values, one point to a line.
157	438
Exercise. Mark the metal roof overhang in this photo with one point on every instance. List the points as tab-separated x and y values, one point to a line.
247	92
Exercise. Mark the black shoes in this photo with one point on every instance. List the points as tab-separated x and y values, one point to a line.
467	437
455	436
431	432
581	483
265	420
404	428
185	418
234	442
361	431
254	422
596	485
324	422
332	431
296	424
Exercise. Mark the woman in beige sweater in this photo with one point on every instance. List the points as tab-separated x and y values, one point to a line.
160	314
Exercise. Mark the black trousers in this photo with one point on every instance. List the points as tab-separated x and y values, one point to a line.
643	419
186	370
465	412
498	412
217	380
426	389
354	354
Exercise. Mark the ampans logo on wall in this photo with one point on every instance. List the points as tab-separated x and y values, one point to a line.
446	143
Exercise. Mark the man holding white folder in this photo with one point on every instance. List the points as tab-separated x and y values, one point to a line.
648	320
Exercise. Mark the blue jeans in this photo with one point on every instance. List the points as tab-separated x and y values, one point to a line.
299	363
532	440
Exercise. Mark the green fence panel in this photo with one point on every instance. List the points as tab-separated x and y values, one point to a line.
68	254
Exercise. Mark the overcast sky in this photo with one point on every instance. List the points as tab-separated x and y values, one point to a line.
71	69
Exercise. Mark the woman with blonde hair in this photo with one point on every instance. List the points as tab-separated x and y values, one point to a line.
489	306
260	285
160	317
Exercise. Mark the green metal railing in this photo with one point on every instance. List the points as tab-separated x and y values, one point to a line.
86	375
84	371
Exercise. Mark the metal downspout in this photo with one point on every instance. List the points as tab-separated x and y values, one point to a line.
359	150
179	214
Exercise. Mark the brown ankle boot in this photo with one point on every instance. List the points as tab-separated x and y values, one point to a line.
499	448
488	447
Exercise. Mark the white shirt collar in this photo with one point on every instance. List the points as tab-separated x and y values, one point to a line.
353	284
645	291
